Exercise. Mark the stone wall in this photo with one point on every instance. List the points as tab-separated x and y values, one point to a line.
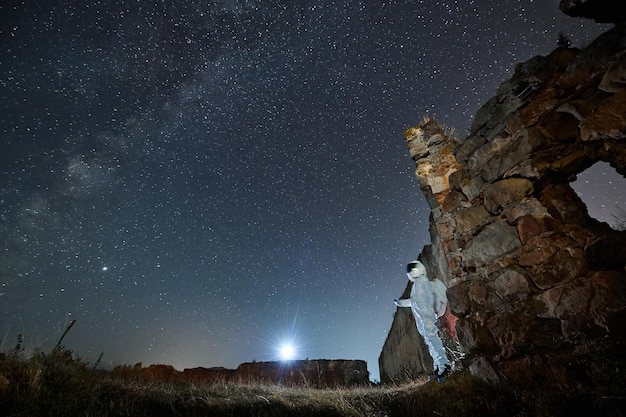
311	373
404	355
538	287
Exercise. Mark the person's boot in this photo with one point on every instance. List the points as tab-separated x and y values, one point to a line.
446	371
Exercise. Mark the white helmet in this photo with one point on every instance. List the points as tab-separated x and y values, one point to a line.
414	269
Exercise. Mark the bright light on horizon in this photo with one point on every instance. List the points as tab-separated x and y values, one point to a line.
288	341
287	352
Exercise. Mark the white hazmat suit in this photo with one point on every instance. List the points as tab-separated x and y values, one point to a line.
428	302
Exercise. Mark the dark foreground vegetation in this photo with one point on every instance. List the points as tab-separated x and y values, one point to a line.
59	384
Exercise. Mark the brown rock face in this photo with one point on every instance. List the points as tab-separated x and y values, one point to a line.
321	373
535	282
317	373
405	355
605	11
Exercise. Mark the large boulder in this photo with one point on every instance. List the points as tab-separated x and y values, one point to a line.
494	241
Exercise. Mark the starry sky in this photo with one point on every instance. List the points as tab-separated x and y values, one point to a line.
197	182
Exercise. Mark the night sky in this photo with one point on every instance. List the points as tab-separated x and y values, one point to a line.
197	182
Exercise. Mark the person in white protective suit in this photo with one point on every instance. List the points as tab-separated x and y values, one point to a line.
428	302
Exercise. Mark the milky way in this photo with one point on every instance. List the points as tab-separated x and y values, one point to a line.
195	182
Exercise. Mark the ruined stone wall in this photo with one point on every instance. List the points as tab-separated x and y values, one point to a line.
320	373
538	287
312	373
404	355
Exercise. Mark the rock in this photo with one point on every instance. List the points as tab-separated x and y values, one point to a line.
579	109
563	204
494	241
404	354
607	251
537	251
417	143
494	159
551	370
470	186
536	283
321	373
475	337
510	330
512	285
459	300
482	369
163	373
602	11
502	193
529	227
582	306
213	375
525	207
608	119
566	264
454	200
469	219
614	80
432	172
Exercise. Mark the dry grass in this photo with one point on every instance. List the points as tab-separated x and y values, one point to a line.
59	384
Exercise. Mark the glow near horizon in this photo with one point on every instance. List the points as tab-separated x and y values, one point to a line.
287	351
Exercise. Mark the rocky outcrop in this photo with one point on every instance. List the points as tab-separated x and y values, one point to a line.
602	11
312	373
405	354
537	285
321	373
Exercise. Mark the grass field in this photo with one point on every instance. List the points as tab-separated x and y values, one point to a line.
57	383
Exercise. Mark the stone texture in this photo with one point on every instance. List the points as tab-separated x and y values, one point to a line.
525	206
320	373
604	11
470	186
494	241
317	373
435	164
529	226
608	119
511	332
537	285
483	370
565	265
4	382
469	219
504	192
614	79
607	251
213	375
405	354
512	285
475	337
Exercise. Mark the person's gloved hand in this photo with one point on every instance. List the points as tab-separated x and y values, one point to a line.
396	302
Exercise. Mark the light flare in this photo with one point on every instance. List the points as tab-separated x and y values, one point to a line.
287	351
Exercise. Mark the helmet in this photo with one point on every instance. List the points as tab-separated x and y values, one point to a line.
415	269
411	265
